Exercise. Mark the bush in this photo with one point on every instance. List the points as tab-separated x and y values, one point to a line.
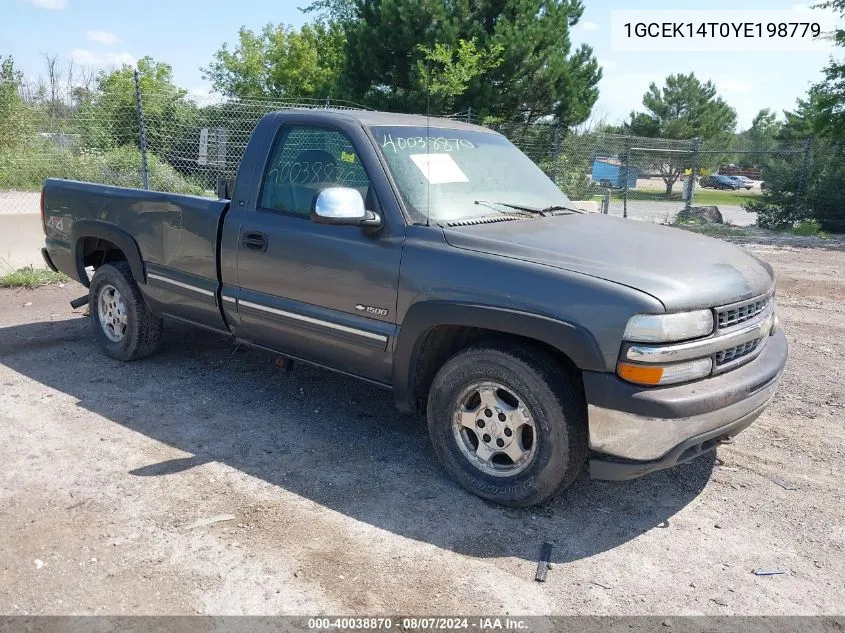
783	207
25	168
808	228
572	176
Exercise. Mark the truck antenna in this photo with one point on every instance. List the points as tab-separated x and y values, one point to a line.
427	141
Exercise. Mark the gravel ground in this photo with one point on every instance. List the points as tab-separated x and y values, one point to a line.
339	506
665	212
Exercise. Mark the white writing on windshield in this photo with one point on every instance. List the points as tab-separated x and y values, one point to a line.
425	143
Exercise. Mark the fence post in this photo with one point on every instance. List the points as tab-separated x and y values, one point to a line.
142	133
556	152
469	114
693	171
626	162
802	178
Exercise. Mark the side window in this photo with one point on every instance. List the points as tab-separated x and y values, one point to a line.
306	160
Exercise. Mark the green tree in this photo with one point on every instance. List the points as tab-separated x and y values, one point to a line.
684	108
805	186
447	73
534	71
830	93
806	120
761	138
812	188
342	11
108	116
12	107
280	62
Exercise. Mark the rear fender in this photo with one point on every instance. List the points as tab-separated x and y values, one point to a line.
93	228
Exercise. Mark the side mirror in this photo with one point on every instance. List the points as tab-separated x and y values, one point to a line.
343	206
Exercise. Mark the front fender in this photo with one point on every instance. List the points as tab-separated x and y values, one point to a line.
571	339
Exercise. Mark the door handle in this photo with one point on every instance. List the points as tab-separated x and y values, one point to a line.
255	241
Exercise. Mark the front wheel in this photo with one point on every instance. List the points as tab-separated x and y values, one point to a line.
508	423
122	322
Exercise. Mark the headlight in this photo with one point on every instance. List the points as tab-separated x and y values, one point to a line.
665	374
662	328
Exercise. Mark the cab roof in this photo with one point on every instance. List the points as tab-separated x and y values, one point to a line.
373	118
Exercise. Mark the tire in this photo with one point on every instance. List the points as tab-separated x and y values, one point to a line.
123	324
551	452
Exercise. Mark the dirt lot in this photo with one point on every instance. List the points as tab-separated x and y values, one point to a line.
340	506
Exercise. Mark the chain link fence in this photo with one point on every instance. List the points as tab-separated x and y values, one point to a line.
655	178
154	140
166	142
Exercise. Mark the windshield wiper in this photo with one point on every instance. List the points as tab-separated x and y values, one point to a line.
518	207
532	210
559	207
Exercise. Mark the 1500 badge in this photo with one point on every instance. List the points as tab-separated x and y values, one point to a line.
371	310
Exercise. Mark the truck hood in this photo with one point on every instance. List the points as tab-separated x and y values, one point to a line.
681	269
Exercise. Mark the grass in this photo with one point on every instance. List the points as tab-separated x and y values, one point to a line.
808	228
25	168
30	278
701	197
717	197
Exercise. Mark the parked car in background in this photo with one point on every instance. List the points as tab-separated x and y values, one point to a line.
718	181
742	181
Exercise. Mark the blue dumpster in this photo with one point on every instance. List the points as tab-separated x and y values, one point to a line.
610	172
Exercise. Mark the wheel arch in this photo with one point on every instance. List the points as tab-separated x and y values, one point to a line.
433	331
107	239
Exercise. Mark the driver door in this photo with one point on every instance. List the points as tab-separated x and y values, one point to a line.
323	293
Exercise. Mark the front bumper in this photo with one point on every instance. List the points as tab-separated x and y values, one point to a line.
638	430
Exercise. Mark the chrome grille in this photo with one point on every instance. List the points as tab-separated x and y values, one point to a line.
733	353
741	335
736	314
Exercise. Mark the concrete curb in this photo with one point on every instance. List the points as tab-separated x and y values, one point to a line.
21	239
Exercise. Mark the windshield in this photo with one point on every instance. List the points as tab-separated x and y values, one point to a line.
441	173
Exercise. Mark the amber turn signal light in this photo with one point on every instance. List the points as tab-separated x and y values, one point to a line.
640	374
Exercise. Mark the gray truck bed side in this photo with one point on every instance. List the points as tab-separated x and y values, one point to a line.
170	241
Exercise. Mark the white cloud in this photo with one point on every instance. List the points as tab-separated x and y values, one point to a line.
102	37
101	60
622	92
606	64
199	92
49	5
203	96
590	26
733	86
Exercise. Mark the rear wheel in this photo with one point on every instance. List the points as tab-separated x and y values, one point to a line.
508	423
123	324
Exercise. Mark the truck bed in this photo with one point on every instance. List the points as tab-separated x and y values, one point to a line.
170	240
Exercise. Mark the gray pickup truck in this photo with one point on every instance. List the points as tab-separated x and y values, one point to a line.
434	259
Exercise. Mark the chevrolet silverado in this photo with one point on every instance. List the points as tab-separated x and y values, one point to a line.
431	257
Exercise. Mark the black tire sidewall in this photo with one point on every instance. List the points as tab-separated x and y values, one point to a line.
117	275
552	466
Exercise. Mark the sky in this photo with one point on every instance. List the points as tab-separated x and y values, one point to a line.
186	33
